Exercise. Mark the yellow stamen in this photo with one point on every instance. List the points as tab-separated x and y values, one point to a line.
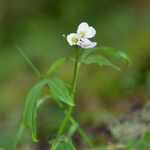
75	39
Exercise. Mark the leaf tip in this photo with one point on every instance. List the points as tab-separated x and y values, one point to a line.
72	104
35	139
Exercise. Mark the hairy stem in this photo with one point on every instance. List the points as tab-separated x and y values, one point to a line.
70	110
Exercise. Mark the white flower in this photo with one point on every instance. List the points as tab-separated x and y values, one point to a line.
80	38
86	31
86	43
73	39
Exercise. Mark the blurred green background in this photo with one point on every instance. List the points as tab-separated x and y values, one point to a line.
103	93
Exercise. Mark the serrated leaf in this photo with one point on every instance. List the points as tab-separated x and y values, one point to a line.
30	108
100	60
58	63
62	143
59	91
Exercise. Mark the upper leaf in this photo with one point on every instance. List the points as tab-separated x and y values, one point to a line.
116	53
58	63
30	109
59	91
112	51
100	60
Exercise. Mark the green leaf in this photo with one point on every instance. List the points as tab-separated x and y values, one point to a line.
86	52
58	63
62	143
100	60
59	91
30	108
116	53
111	51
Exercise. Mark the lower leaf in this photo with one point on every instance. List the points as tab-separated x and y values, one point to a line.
30	109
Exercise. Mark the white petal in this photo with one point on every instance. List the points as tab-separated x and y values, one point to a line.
69	39
86	31
82	27
90	32
72	36
85	43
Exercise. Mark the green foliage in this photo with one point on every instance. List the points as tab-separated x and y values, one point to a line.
100	60
115	52
58	63
108	50
58	91
62	143
30	108
39	33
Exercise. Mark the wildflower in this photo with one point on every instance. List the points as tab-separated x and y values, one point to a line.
86	31
80	38
73	39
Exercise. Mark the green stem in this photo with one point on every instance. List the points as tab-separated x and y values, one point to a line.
29	62
82	133
79	129
70	110
85	137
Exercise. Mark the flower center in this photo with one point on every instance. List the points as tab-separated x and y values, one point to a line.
82	34
75	40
